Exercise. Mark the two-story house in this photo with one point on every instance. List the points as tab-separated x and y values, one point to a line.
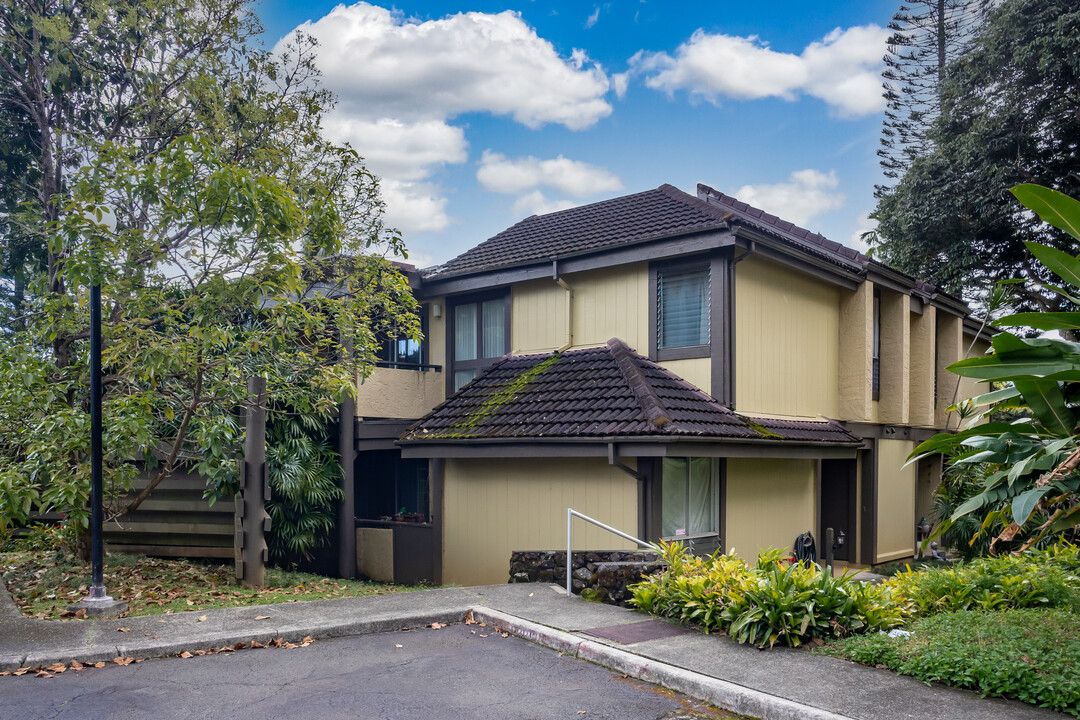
679	367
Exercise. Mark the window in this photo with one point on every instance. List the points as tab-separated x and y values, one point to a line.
875	370
481	335
680	307
690	497
404	353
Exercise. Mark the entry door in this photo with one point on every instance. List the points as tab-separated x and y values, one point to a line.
838	506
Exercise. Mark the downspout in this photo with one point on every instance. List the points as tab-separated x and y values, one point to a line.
569	306
614	462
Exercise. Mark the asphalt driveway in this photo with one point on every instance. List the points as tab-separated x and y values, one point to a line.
454	673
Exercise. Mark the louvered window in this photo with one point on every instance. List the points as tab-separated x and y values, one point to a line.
682	308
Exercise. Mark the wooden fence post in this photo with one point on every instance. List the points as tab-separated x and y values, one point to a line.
251	519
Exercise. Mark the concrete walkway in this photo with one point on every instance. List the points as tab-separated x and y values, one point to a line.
779	684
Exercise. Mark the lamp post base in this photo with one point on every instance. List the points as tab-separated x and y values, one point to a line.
99	605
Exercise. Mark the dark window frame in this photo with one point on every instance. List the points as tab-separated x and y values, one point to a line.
700	264
720	265
875	347
717	477
386	357
453	365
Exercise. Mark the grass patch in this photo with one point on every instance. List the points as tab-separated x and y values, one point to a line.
1029	655
44	583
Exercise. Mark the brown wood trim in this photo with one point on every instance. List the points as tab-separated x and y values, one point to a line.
891	432
723	505
868	510
781	252
382	429
347	505
661	248
536	447
684	353
721	325
437	482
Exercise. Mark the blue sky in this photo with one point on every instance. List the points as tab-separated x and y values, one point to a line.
478	115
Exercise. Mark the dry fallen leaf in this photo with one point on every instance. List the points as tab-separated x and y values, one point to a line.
186	654
202	618
76	665
256	644
262	617
99	664
80	614
506	634
57	667
240	646
123	660
21	671
43	674
437	625
580	712
123	629
397	646
469	618
482	635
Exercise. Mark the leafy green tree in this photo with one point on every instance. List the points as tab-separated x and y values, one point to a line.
1010	114
184	170
1027	466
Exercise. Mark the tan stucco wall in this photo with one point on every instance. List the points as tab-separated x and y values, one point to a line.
399	393
970	387
768	503
375	553
856	361
895	501
786	341
895	358
950	348
921	383
492	507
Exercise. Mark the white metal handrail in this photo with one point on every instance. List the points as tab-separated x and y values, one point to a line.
570	515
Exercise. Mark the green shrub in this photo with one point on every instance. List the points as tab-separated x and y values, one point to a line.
1047	578
1030	655
773	602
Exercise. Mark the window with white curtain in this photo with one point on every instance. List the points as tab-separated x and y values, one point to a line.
481	336
690	497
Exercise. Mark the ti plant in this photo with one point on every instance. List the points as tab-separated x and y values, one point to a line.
1030	481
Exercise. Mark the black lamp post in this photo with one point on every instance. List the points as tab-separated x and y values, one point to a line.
97	603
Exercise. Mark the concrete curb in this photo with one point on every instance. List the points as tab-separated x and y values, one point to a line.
727	695
148	649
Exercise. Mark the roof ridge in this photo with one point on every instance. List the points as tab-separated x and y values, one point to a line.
646	396
684	197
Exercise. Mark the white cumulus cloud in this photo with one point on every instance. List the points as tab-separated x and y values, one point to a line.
499	173
803	196
401	82
843	69
525	176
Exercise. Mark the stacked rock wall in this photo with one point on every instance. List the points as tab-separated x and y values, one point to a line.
595	574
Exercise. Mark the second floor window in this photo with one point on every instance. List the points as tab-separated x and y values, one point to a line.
875	370
481	335
404	353
682	307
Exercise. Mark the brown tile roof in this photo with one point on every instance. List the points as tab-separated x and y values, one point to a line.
628	220
601	392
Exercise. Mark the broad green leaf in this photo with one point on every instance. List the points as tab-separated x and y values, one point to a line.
1047	401
995	397
971	505
1043	320
1062	264
1053	207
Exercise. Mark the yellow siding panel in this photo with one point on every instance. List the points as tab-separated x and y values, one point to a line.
768	503
436	331
786	341
896	501
696	371
538	319
493	507
612	303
